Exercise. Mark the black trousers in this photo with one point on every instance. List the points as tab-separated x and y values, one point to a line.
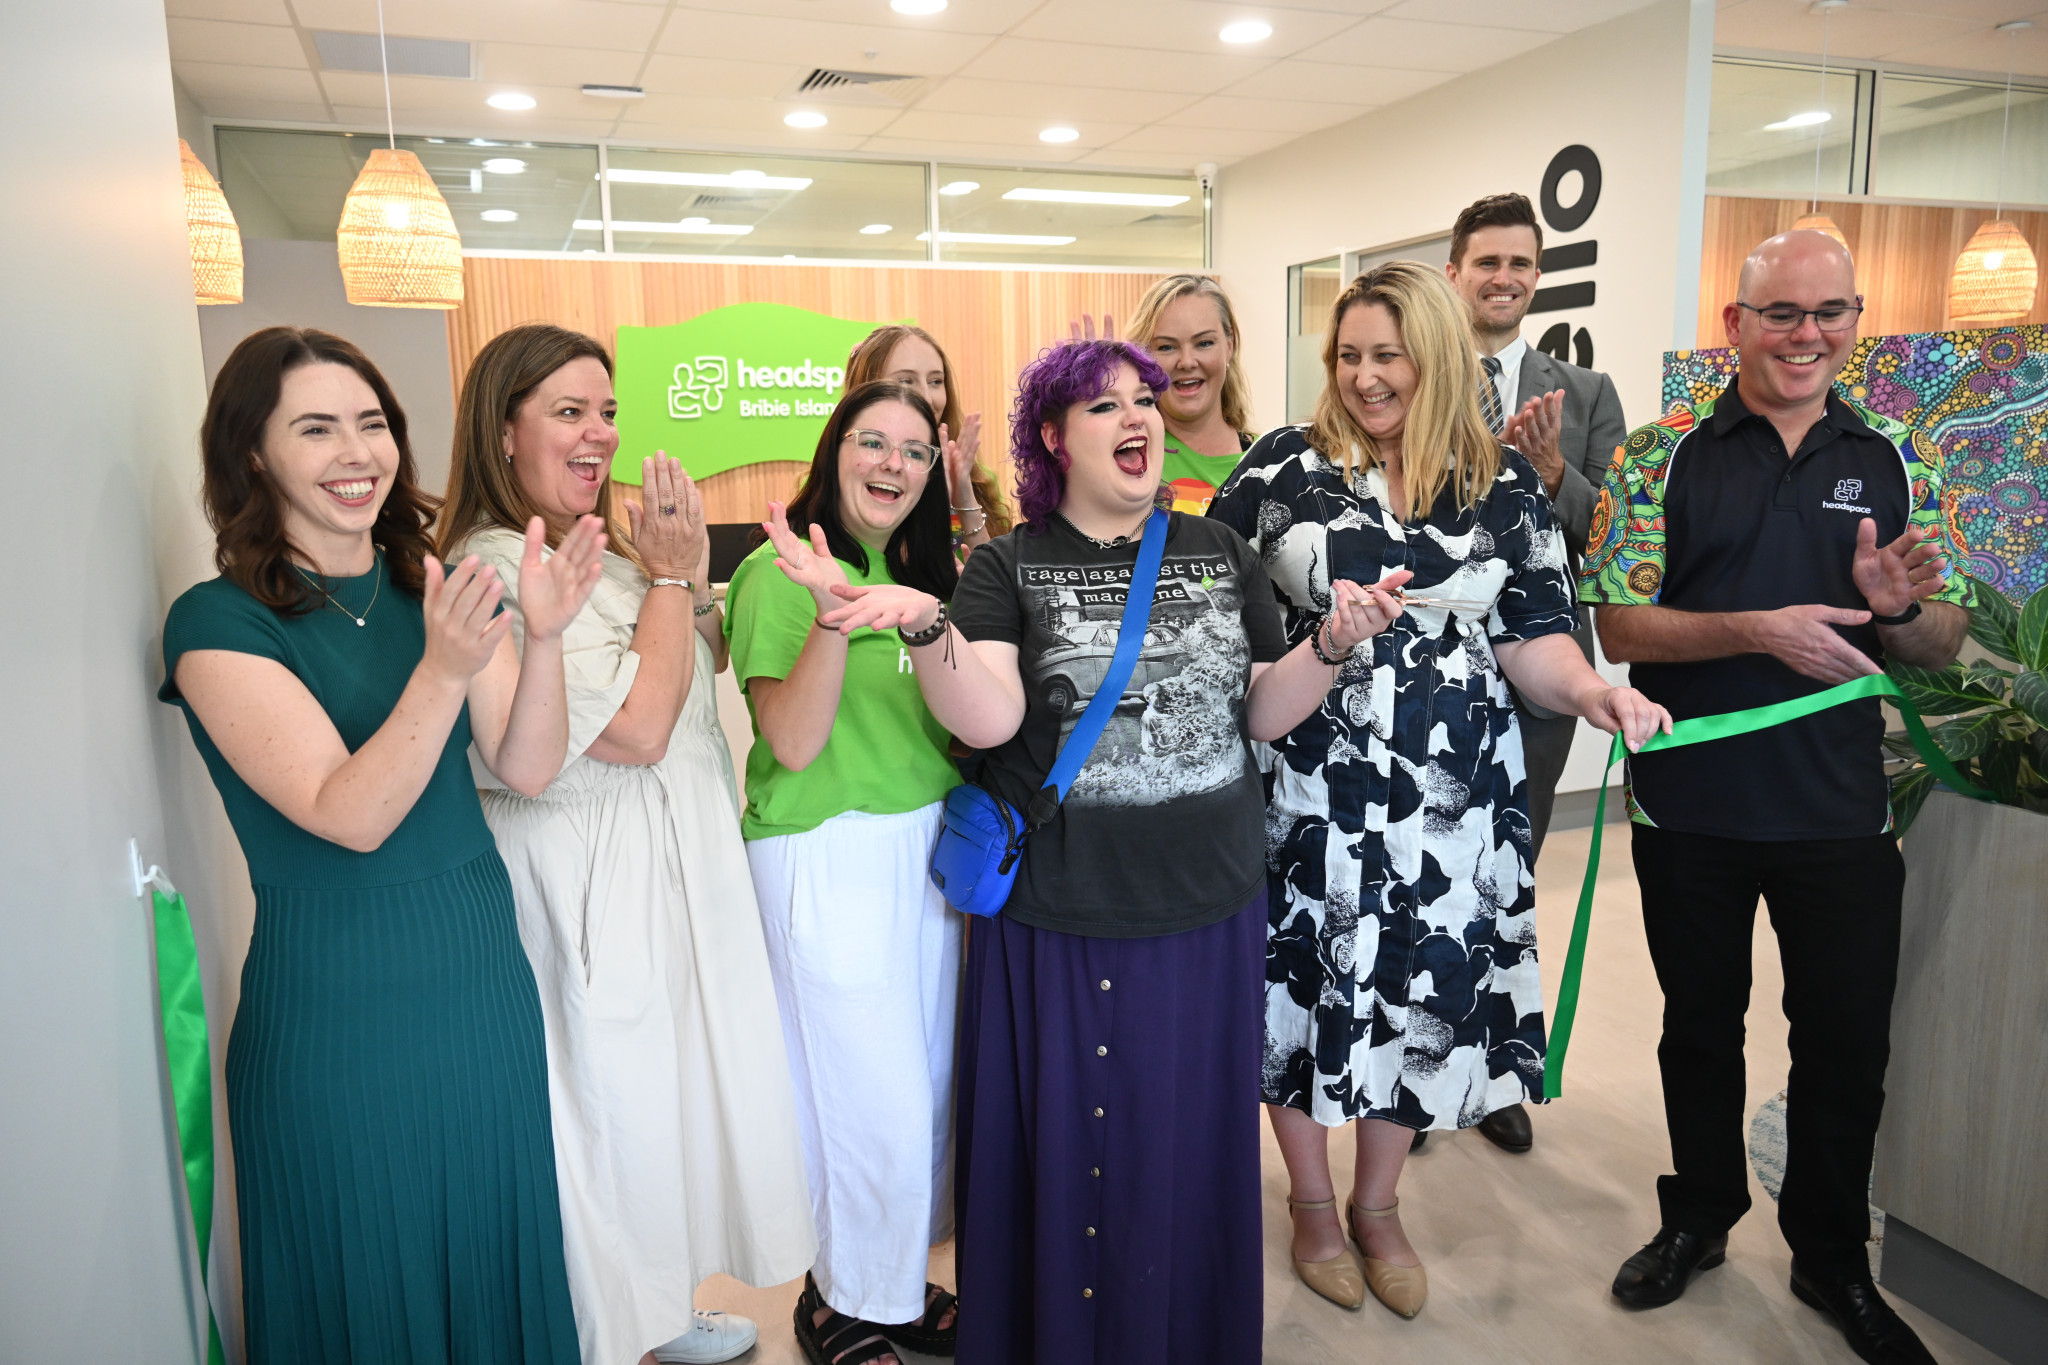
1834	904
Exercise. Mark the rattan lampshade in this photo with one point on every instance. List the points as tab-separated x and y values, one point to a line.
1820	222
1994	278
210	227
399	247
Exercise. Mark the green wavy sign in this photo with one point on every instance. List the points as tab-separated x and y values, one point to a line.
739	385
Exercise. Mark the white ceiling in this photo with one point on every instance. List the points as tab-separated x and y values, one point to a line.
1958	35
1148	84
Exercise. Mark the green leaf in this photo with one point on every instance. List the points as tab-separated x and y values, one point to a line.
1909	793
2030	697
1900	745
1941	692
2032	635
1994	621
1987	675
1967	736
2001	768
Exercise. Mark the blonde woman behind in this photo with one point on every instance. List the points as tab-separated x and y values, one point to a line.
1186	322
675	1126
911	355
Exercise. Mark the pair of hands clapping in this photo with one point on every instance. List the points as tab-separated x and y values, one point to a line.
460	605
667	522
843	606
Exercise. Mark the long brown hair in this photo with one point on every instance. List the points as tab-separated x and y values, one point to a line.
1144	321
870	362
1445	442
243	504
483	490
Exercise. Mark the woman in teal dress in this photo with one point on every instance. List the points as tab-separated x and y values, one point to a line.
387	1085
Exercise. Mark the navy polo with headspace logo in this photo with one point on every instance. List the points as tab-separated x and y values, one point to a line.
1703	511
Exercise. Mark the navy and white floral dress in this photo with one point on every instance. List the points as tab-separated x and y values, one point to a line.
1401	957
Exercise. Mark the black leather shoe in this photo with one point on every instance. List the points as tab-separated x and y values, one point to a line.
1875	1332
1658	1273
1415	1143
1508	1129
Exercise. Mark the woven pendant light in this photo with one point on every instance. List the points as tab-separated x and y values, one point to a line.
399	246
210	228
1820	222
1994	278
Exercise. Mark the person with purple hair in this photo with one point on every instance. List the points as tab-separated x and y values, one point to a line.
1107	1198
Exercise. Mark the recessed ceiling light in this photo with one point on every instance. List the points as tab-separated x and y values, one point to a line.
1058	135
1152	201
1246	31
917	6
804	118
1806	120
511	99
500	216
695	226
504	165
620	175
996	239
874	229
960	187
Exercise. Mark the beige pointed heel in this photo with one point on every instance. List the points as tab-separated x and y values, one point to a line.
1340	1279
1403	1288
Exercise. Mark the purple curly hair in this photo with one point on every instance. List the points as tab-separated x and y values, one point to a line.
1069	373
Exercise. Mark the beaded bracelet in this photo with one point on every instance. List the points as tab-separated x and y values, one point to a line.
929	635
1315	644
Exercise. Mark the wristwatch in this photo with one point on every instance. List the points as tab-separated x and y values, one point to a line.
1911	612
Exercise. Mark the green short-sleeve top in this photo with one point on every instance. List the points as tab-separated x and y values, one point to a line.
1195	477
886	754
357	674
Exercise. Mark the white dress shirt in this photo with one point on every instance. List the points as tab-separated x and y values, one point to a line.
1509	381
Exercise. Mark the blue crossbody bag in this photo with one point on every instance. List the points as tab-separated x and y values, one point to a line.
974	862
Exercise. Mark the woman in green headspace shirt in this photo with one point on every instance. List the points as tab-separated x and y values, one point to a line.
387	1084
844	787
1185	321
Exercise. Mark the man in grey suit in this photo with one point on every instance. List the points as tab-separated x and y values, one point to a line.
1568	422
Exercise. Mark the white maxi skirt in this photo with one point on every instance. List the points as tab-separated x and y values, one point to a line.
866	959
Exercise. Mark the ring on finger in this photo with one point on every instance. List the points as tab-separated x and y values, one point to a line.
668	509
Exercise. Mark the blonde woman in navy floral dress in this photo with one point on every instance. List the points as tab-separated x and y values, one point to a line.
1401	982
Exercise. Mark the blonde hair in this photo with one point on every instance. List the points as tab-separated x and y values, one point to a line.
1445	442
483	490
1144	320
870	362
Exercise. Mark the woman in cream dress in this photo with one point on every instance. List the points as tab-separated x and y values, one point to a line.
675	1130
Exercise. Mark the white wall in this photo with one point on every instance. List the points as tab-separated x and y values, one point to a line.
1632	89
102	352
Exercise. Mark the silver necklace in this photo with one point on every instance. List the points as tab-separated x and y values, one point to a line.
374	590
1099	543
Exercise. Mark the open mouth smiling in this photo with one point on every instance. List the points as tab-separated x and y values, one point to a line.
883	491
351	492
1131	456
588	468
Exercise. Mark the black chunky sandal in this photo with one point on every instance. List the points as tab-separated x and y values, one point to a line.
925	1334
839	1340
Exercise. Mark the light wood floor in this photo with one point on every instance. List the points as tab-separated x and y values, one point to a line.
1520	1250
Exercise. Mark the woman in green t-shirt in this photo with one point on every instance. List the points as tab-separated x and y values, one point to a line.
1186	322
844	787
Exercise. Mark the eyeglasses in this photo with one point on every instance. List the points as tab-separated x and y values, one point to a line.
874	448
1835	317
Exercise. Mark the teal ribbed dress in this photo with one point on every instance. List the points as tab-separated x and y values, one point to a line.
387	1080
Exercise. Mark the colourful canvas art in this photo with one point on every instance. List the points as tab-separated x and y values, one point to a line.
1982	397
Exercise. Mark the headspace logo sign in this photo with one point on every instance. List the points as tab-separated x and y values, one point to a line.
739	385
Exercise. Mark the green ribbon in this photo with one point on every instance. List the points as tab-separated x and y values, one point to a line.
190	1062
1699	731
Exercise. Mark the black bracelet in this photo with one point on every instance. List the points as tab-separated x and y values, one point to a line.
1315	644
929	635
1911	612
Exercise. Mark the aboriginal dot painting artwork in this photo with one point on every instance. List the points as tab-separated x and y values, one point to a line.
1982	398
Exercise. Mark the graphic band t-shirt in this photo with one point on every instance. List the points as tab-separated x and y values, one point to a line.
1164	830
886	753
1194	477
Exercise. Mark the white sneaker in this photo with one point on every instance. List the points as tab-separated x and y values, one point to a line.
713	1337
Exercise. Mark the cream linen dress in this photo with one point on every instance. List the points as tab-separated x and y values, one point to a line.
675	1130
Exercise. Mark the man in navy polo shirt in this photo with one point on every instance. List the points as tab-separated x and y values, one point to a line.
1763	545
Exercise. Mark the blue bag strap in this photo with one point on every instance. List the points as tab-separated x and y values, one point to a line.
1130	641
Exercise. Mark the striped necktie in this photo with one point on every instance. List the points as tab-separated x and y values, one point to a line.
1489	395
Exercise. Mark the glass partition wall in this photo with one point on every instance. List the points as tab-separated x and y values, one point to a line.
526	196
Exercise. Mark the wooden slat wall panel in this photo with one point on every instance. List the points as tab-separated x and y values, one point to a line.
1904	254
991	323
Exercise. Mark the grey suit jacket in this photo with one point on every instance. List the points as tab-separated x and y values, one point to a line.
1593	427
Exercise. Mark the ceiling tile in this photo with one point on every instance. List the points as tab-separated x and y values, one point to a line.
212	40
966	95
229	108
1211	144
994	153
423	94
1179	25
534	64
1272	116
999	128
1024	59
564	129
1986	51
960	16
245	11
1986	12
583	23
806	43
1854	31
208	81
660	134
668	74
1320	81
1410	43
681	114
1545	16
